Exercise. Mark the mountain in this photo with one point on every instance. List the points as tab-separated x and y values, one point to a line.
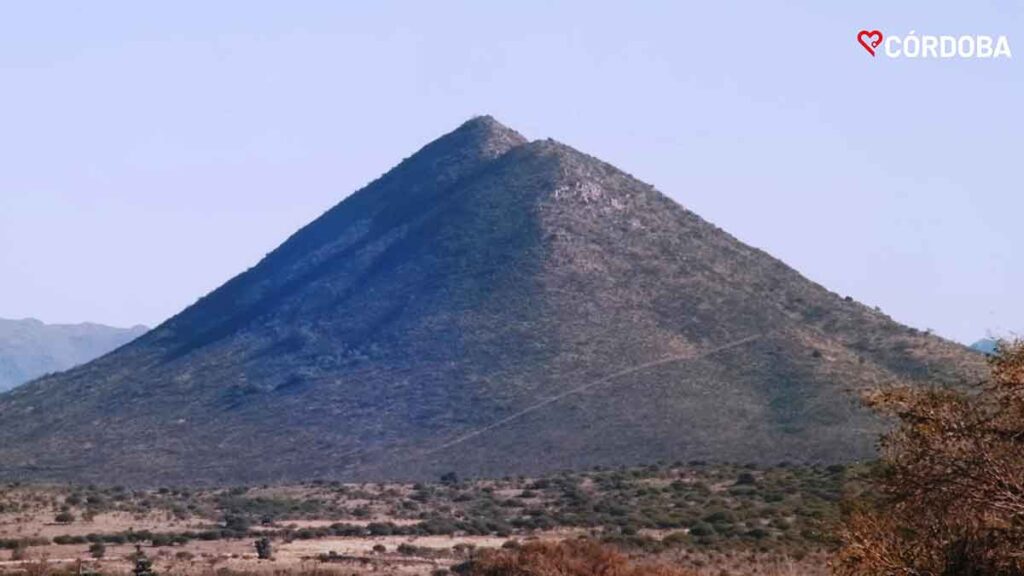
29	348
490	306
986	345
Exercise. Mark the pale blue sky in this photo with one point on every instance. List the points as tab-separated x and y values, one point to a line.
150	152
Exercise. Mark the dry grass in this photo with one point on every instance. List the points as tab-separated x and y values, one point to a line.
704	520
568	558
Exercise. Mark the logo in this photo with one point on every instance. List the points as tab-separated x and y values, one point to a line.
939	47
870	40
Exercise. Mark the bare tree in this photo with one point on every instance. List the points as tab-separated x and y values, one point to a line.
949	495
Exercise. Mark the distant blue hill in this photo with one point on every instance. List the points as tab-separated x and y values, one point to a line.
986	345
29	348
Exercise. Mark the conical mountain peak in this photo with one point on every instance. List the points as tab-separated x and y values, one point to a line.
488	126
482	135
490	306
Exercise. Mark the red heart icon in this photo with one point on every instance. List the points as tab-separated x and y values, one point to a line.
875	38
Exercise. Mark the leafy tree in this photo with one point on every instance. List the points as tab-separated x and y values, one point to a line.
143	565
746	478
64	518
237	523
950	491
97	550
264	549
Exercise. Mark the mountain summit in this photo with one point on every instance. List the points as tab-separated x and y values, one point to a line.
490	306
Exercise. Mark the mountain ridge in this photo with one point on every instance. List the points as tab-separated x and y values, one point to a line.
454	297
30	348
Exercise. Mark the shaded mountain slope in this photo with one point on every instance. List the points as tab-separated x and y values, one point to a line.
490	306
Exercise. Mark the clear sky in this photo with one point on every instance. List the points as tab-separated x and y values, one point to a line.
150	151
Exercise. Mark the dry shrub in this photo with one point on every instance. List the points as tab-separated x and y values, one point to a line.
38	568
568	558
950	491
